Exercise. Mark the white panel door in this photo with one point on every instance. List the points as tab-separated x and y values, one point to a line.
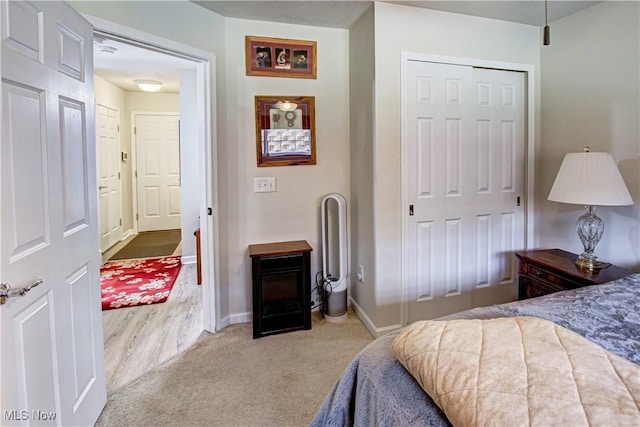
52	369
464	177
109	198
158	171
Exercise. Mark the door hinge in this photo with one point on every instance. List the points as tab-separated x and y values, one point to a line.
209	211
136	217
118	128
136	173
518	201
135	130
118	175
410	210
120	221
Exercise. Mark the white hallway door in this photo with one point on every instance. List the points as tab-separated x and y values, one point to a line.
464	182
52	353
109	202
158	171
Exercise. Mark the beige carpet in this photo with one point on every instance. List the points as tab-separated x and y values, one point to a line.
230	379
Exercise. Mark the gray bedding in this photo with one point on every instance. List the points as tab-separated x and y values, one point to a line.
376	390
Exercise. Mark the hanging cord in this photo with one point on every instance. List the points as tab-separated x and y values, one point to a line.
546	37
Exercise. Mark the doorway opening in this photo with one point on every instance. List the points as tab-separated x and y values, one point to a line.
158	134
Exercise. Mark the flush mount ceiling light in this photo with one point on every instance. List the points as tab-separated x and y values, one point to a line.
149	85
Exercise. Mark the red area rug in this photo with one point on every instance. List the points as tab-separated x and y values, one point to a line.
137	281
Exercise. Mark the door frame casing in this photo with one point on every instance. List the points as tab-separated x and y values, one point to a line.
206	106
529	152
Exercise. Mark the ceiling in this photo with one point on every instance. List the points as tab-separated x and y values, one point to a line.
121	64
342	14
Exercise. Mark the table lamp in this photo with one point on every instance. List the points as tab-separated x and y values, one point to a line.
589	179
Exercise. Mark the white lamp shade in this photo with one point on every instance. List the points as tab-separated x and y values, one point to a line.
590	179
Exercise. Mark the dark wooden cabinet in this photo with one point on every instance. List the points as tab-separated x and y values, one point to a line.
546	271
281	281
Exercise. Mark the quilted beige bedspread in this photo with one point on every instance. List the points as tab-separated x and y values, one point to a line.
519	371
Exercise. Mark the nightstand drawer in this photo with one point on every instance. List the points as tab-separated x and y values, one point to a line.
531	288
546	271
550	278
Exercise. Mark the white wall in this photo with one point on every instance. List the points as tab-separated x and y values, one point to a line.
109	95
402	28
591	97
293	211
153	102
361	86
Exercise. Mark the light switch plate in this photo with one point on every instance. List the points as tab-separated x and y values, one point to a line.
264	184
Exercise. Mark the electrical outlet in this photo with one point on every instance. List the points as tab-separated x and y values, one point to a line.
264	184
360	274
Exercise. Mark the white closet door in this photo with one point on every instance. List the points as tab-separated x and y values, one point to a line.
465	172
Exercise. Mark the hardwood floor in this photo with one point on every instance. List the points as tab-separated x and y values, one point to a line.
137	339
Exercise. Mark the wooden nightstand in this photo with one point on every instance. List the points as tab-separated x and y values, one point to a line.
543	272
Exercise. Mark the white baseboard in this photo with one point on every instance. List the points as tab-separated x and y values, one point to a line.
188	259
241	318
373	330
127	234
363	317
223	323
387	329
234	319
376	332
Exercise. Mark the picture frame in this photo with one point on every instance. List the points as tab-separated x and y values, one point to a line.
285	130
272	57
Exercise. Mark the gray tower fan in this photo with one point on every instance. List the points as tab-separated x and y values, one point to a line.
334	256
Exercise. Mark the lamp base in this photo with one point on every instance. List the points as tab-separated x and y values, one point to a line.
590	228
589	264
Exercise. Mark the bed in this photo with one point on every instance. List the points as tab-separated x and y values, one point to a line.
376	390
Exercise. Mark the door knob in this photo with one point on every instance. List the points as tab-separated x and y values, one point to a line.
6	292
